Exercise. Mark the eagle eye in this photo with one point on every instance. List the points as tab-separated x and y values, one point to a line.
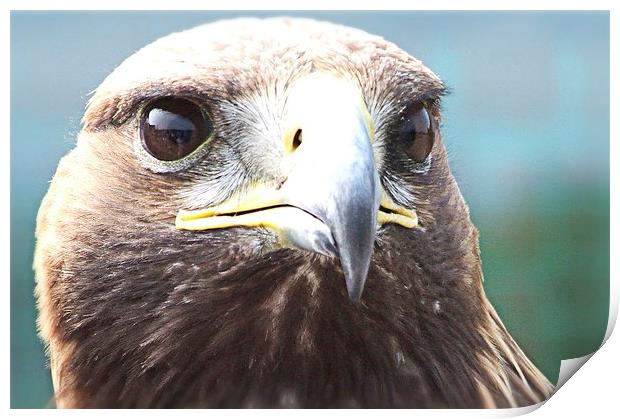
172	128
417	133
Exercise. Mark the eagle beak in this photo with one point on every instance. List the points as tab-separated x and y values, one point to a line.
331	201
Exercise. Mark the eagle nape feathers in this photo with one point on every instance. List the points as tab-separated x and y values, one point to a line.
260	213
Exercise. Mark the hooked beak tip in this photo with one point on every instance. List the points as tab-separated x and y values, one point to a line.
355	293
355	277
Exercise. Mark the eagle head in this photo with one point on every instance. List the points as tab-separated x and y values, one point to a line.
261	213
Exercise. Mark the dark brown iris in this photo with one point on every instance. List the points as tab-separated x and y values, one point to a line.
417	133
171	128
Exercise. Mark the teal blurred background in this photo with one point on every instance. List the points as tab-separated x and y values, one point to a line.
526	126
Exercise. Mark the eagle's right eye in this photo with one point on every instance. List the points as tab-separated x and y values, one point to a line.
172	128
417	133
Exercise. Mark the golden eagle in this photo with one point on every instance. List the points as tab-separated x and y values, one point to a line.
260	213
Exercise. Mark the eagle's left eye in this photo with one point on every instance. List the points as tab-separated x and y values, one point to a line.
417	133
172	128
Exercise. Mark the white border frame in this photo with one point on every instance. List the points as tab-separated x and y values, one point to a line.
593	392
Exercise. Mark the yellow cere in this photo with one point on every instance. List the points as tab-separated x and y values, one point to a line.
370	124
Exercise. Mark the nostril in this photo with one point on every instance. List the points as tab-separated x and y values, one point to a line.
281	182
297	140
